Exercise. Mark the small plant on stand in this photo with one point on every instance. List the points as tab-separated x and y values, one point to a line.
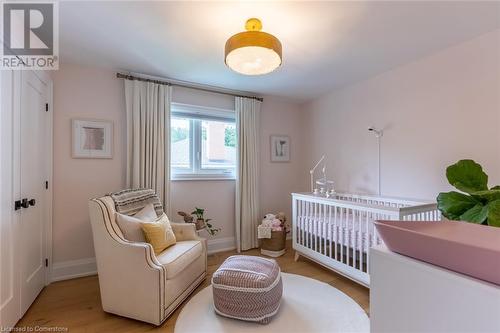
201	222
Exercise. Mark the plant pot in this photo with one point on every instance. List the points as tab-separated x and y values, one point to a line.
200	224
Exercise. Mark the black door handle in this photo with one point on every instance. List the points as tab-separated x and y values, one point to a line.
25	203
32	202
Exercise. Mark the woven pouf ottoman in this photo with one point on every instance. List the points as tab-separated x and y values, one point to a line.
247	288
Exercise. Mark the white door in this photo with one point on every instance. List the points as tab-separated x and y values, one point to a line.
25	151
9	272
33	154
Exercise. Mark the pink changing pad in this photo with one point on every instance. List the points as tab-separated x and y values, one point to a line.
463	247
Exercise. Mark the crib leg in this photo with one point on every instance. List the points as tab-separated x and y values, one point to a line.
296	257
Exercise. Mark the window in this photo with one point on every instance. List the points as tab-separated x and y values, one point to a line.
203	142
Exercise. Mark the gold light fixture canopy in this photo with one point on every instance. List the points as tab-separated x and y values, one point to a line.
253	52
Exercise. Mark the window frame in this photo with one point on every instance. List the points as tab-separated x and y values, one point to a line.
196	115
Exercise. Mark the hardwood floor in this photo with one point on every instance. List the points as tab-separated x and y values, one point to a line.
75	304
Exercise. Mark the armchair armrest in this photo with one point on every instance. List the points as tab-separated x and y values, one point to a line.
185	231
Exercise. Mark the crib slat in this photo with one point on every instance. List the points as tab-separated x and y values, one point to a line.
302	204
347	236
303	208
335	231
325	230
320	231
330	231
350	222
309	225
301	228
316	227
317	244
320	227
300	213
323	224
315	230
360	242
355	221
363	242
342	234
369	241
306	220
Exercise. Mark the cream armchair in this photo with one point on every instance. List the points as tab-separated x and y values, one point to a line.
133	281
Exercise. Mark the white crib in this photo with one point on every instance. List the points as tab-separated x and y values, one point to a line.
337	232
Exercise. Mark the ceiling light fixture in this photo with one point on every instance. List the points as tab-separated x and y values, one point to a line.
253	52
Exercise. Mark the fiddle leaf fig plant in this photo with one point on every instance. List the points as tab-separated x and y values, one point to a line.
475	203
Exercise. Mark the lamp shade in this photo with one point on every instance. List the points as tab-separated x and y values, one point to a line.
253	52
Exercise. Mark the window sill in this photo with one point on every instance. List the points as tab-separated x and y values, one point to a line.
180	179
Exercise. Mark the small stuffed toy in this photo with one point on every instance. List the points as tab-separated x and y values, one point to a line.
269	217
276	225
187	218
271	221
281	216
268	220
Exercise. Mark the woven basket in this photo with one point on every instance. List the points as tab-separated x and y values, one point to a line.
275	243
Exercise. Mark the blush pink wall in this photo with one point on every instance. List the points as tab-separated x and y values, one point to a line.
96	93
215	196
81	92
434	111
279	180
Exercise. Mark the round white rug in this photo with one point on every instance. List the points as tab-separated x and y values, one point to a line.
307	306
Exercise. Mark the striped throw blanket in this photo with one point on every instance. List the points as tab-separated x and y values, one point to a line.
131	201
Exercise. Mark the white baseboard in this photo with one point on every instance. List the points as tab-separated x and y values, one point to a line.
71	269
221	244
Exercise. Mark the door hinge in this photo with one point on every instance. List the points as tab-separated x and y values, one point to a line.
46	262
46	184
46	107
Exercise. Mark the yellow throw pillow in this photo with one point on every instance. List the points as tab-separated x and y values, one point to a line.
159	234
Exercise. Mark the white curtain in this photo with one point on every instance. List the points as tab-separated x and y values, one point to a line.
247	189
148	137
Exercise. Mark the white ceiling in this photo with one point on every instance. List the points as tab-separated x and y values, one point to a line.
326	45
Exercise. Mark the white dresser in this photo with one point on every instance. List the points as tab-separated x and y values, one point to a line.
408	295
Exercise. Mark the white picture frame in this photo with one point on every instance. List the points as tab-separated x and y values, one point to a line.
280	148
92	138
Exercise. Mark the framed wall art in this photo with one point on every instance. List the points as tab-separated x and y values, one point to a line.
92	138
280	148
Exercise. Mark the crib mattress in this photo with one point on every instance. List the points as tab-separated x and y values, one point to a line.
346	230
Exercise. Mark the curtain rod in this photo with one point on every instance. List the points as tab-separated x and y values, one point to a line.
137	78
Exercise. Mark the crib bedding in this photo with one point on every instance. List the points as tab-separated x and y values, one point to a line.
347	230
